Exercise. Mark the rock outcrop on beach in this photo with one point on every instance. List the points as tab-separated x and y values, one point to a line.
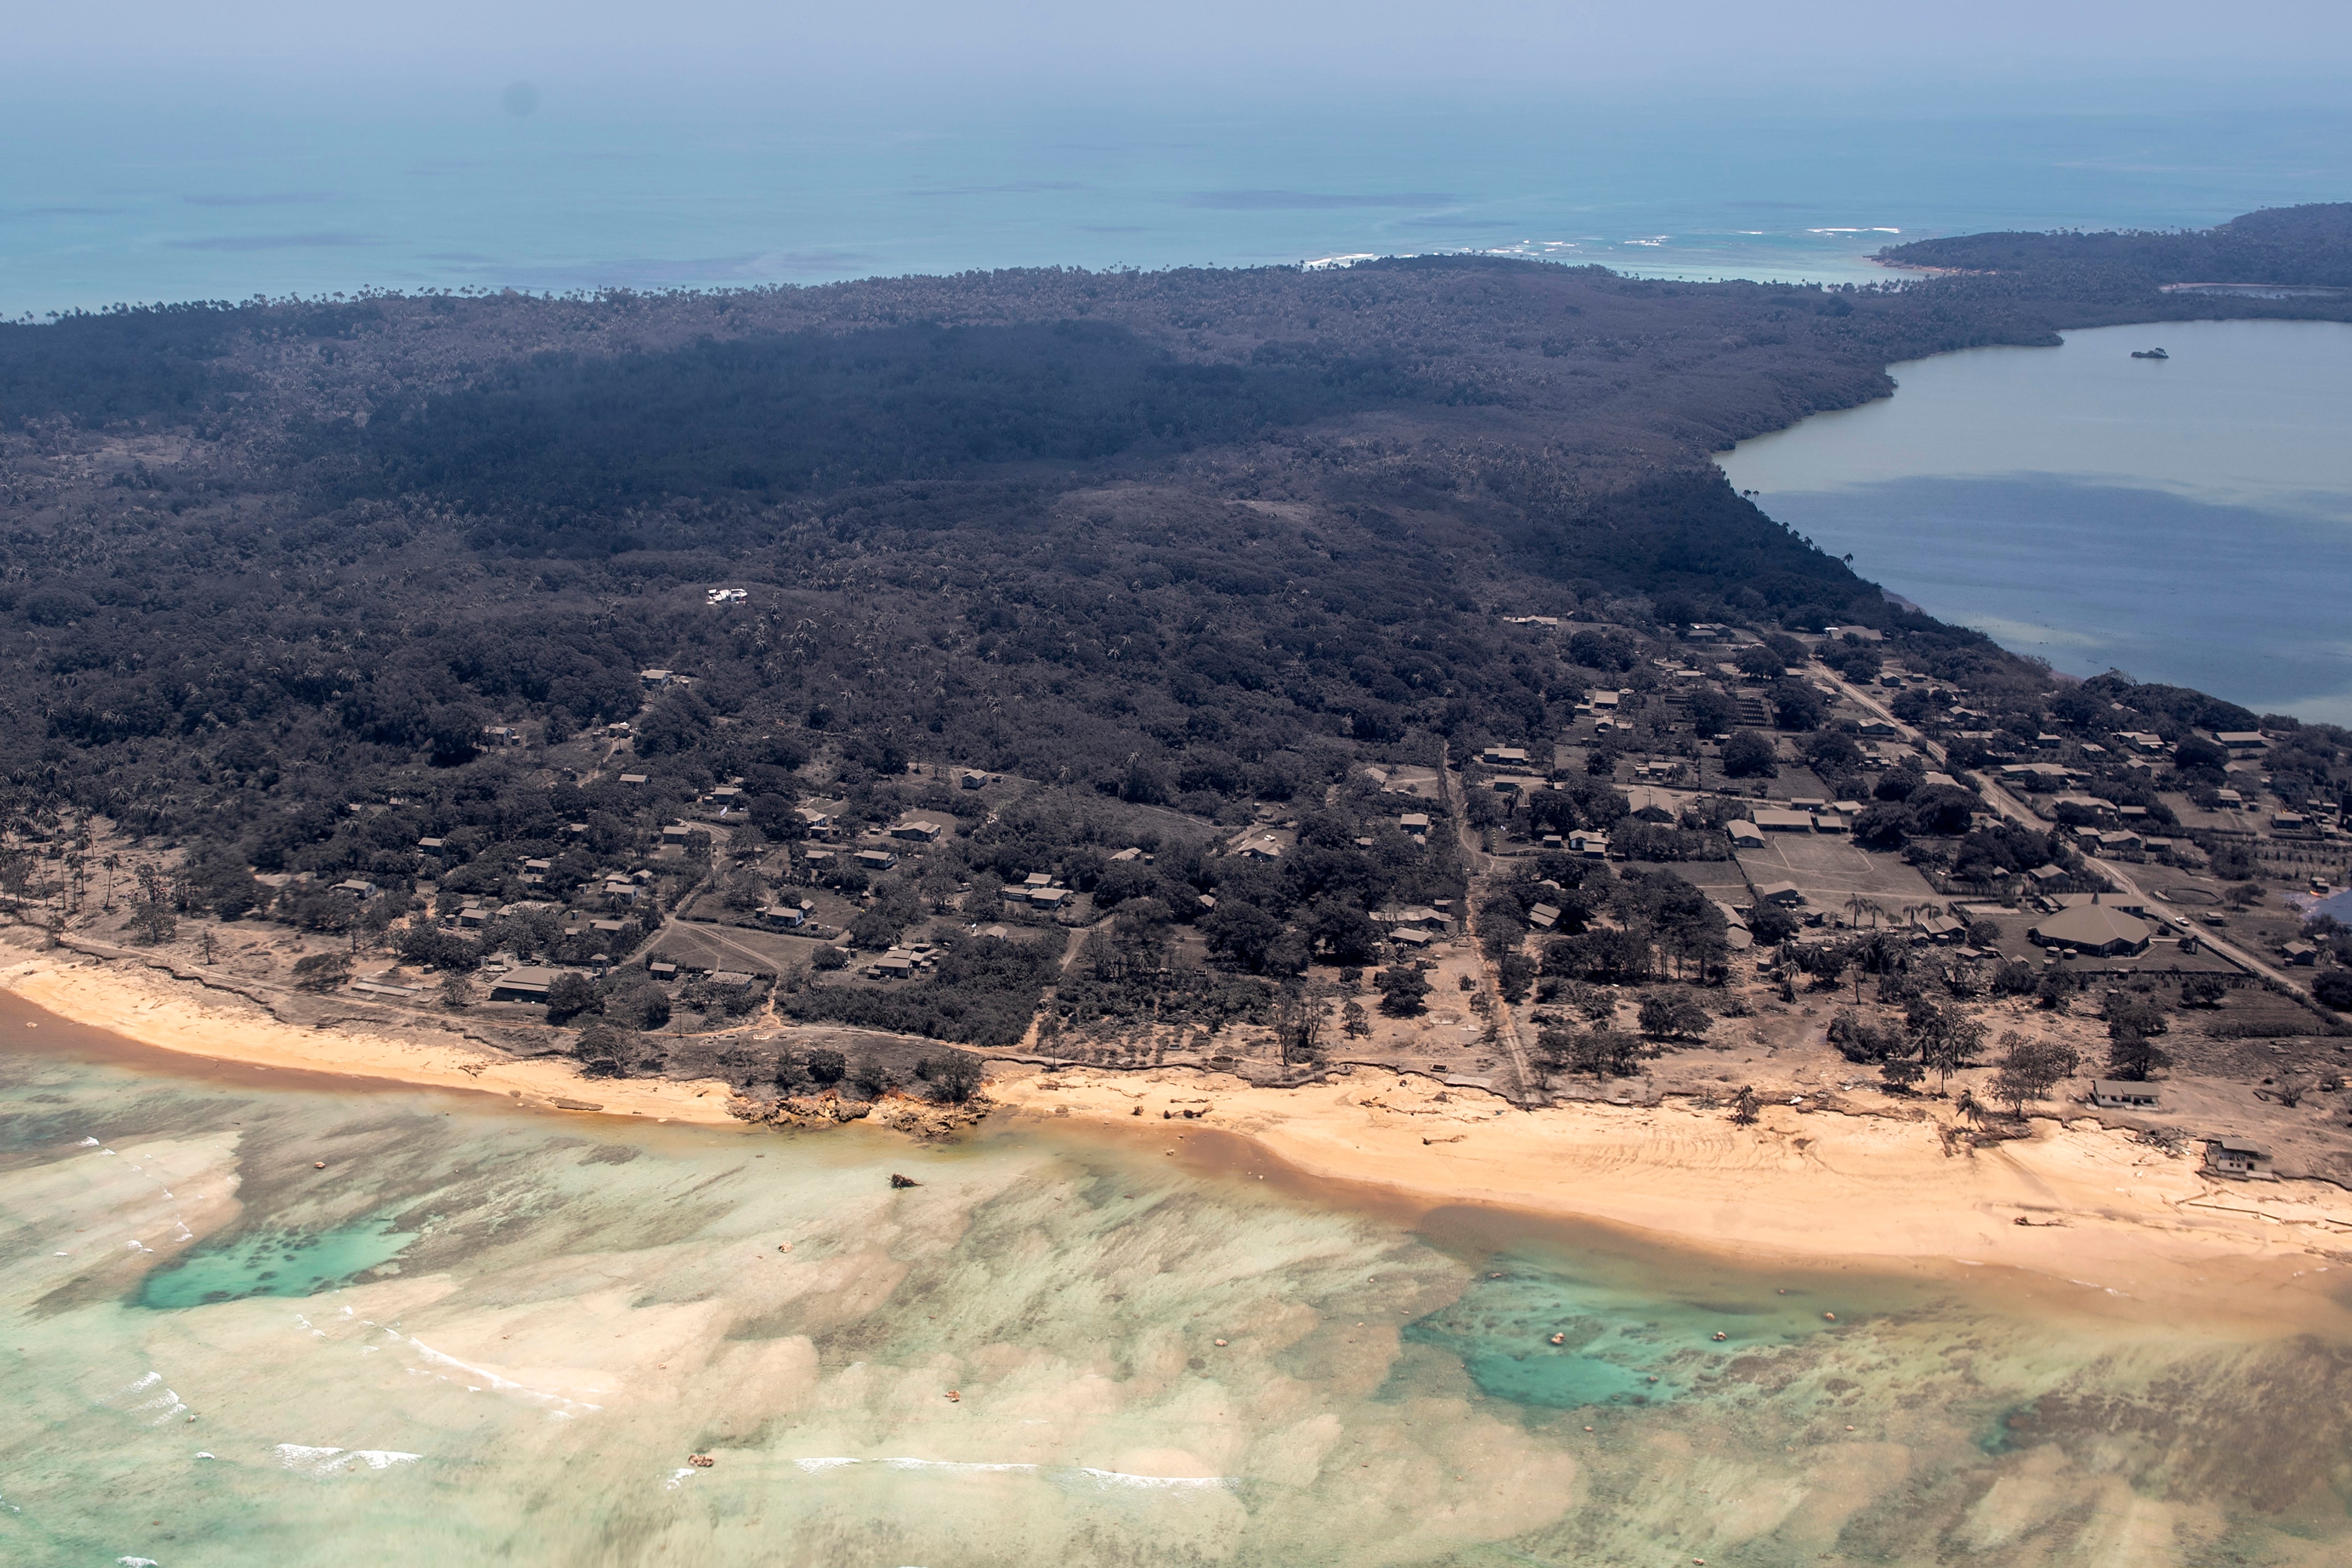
899	1113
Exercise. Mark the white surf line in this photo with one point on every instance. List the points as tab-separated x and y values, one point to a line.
308	1460
492	1381
1088	1473
167	1402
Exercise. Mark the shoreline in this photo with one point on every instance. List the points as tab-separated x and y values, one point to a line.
2101	1210
188	1021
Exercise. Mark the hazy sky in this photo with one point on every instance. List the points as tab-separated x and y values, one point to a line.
1823	44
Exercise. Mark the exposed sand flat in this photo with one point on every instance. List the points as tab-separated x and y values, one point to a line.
155	1010
2104	1209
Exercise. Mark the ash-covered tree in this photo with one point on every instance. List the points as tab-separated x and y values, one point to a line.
1404	989
322	971
955	1076
569	996
151	913
2132	1055
1676	1018
608	1052
1946	1038
1515	972
1297	1024
1747	755
1795	705
2030	1068
1712	713
2207	991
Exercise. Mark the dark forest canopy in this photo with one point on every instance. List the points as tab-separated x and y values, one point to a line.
2307	245
1188	540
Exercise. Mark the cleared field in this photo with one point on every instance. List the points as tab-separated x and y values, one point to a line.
1716	879
728	948
1829	871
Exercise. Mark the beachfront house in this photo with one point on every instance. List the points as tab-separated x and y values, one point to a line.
2237	1157
2116	1095
523	985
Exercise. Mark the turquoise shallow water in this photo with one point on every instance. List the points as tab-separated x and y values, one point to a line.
481	1335
273	1264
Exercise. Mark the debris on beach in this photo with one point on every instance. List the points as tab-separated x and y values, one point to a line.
898	1180
700	1461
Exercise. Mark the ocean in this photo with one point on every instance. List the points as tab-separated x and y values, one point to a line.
180	188
2184	521
253	1319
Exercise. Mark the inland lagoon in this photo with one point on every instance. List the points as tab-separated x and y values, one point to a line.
2184	520
254	1318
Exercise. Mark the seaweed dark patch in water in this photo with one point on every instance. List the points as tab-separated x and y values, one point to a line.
2264	1428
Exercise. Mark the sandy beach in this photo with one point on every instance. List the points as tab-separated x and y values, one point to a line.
153	1009
2101	1207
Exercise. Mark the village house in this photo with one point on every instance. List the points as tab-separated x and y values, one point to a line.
1647	805
523	985
2237	1157
1787	895
654	680
876	860
361	891
2116	1095
1415	824
921	832
1745	835
1774	820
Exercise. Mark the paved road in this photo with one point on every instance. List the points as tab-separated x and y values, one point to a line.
2009	806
